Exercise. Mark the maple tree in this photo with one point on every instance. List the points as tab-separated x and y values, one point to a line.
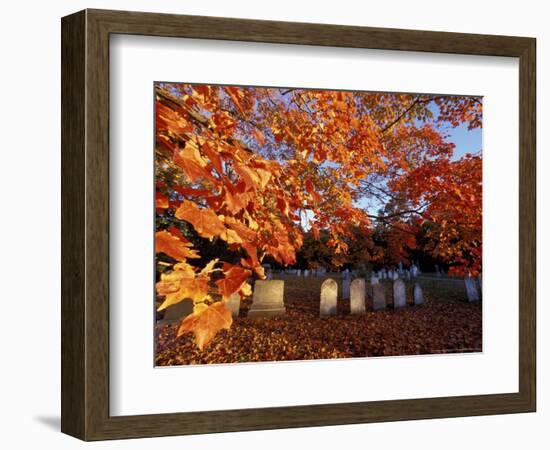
258	170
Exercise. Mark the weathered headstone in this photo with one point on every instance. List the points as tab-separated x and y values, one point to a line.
408	275
395	275
471	289
178	311
306	273
267	299
373	278
345	287
357	296
233	304
399	296
329	294
378	297
418	296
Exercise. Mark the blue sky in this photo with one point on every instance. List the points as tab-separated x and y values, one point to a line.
466	141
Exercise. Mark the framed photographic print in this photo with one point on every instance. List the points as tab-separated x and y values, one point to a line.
316	224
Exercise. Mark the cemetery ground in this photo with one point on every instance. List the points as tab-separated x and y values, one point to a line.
445	323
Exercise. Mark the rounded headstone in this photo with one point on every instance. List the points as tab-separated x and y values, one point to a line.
471	289
399	296
418	295
329	294
357	296
378	297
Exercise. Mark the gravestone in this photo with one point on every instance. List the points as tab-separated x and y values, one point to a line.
267	299
178	311
357	296
378	297
471	289
306	273
408	275
395	275
345	287
233	304
373	279
418	296
329	294
399	296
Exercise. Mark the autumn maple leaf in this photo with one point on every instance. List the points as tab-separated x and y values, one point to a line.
180	285
205	323
205	221
174	246
235	277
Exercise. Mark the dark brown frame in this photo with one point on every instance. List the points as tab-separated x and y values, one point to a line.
85	224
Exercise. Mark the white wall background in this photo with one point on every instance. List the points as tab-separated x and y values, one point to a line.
30	234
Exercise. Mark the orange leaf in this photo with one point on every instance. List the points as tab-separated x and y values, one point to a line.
231	237
192	163
209	268
282	204
264	176
235	277
177	287
249	176
235	94
311	190
173	246
242	230
161	201
214	156
235	201
205	221
259	136
205	323
315	231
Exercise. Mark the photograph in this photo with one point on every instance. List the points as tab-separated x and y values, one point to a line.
303	224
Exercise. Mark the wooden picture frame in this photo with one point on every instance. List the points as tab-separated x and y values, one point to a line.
85	224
